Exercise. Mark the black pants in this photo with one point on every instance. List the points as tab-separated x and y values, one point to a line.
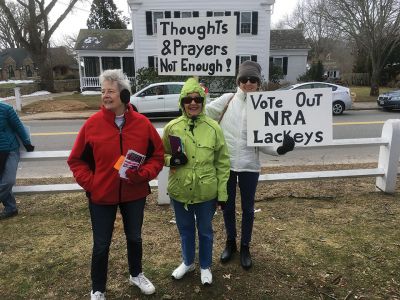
103	218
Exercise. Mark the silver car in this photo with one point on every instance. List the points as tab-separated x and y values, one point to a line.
158	99
341	99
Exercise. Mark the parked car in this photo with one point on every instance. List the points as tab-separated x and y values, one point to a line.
389	100
341	99
158	99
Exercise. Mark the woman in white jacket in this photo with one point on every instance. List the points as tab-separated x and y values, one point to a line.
230	110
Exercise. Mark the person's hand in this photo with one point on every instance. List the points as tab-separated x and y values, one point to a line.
287	145
178	159
221	204
136	176
29	147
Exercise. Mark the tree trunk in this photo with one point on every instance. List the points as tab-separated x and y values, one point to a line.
374	81
45	72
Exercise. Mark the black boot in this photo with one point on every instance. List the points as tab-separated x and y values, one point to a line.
245	257
229	250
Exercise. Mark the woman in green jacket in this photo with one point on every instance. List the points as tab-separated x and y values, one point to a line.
198	158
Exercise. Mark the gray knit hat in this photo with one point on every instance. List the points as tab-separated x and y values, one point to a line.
249	69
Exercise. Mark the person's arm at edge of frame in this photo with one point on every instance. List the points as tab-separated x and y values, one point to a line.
222	167
19	128
167	146
286	146
80	168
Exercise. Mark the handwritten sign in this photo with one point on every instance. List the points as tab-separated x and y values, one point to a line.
306	115
197	46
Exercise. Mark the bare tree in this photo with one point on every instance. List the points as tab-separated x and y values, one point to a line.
373	25
7	34
39	32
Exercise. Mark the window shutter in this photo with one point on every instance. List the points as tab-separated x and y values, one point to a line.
167	14
254	25
209	14
149	23
177	14
285	65
195	14
254	58
228	13
237	14
271	60
237	63
151	61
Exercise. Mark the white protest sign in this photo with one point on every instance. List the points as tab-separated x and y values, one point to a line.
197	46
306	115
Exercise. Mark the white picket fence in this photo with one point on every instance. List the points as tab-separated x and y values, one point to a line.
385	173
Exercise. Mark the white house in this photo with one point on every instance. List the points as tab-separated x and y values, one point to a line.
115	48
252	28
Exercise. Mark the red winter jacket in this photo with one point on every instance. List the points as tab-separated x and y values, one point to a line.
98	147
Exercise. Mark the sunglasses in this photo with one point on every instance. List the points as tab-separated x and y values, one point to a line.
247	78
188	100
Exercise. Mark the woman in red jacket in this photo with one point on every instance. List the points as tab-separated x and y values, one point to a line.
103	139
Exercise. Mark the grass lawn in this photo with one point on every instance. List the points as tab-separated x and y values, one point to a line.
362	93
334	239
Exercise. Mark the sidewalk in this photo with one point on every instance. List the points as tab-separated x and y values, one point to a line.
59	115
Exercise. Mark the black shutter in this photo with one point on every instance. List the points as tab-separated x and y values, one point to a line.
285	65
177	14
149	23
254	24
195	14
253	58
151	61
228	13
237	14
237	63
209	14
271	60
167	14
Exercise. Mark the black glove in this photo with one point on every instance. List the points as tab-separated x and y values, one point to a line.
287	145
221	204
178	159
29	147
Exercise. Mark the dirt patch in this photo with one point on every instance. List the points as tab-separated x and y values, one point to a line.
54	105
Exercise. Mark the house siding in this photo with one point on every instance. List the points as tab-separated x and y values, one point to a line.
297	61
249	44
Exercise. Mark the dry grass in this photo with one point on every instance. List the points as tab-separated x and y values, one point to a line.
335	239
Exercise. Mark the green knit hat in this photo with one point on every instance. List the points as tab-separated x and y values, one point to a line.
192	86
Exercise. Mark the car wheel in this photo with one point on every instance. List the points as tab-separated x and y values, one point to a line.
337	108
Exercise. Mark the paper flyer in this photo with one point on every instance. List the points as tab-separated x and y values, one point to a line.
132	160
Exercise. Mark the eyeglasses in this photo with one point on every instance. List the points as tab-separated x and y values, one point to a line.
247	78
188	100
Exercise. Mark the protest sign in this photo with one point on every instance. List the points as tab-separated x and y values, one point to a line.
306	115
197	46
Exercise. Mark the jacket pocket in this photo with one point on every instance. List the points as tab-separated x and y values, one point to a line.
208	185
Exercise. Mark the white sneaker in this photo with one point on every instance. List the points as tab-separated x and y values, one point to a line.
206	276
97	296
180	271
143	284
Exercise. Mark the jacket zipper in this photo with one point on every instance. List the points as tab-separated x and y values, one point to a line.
120	147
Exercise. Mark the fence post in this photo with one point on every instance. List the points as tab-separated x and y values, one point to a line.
389	156
18	104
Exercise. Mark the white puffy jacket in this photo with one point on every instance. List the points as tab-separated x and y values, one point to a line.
234	125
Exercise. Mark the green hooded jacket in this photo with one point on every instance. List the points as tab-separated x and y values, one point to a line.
204	177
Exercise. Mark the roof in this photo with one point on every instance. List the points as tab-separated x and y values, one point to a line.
288	39
17	54
104	39
59	56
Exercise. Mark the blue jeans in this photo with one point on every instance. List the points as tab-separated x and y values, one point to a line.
247	184
103	218
7	181
200	214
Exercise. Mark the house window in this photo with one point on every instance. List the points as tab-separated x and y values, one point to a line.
218	14
281	62
128	66
245	22
153	62
111	63
186	14
10	70
157	15
243	58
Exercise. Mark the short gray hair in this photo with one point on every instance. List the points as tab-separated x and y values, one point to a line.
116	75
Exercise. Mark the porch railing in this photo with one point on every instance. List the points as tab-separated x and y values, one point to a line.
93	82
